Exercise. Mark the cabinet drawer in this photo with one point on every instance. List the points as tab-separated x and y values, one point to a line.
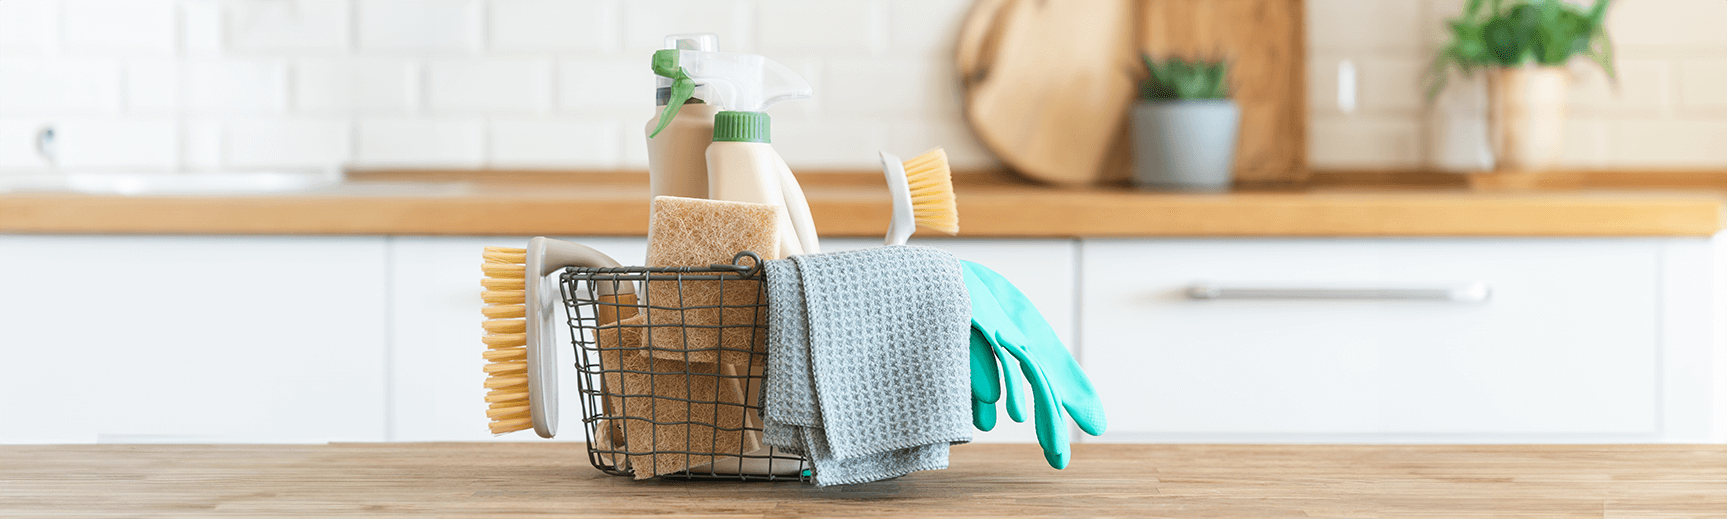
1565	348
128	339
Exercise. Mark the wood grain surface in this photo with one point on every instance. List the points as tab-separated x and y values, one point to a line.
856	205
991	480
1265	44
1049	85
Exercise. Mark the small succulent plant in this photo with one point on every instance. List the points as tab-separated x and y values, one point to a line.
1516	33
1177	78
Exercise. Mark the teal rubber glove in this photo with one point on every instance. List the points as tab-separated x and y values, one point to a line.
1007	320
986	383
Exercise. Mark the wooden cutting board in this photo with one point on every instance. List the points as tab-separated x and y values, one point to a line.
1048	85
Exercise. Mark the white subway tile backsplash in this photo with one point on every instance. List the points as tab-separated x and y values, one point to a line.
287	25
201	146
565	83
56	86
119	26
18	144
925	29
1364	142
28	27
1703	84
647	22
910	137
1457	126
829	143
632	140
1392	84
1672	143
1435	26
419	25
615	86
1673	24
152	86
1645	87
495	85
1364	25
1588	142
201	27
139	143
886	87
269	143
369	86
234	86
539	143
1458	142
553	25
421	142
786	28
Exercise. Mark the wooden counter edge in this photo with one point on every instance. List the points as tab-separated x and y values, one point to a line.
984	214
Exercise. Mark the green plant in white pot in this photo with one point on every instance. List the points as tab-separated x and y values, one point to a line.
1184	126
1524	46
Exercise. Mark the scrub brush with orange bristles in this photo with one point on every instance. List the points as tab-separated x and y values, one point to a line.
521	353
922	191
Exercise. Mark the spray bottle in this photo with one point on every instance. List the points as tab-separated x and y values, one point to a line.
677	162
742	165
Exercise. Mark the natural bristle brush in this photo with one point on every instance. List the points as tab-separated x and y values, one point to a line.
521	355
922	191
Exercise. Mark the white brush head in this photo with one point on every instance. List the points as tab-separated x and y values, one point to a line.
904	221
542	353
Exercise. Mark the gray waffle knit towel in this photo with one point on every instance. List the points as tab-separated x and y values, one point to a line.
868	371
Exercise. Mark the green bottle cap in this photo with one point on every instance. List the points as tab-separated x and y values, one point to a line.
741	127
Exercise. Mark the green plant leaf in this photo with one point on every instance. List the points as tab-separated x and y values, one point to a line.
1509	33
1181	78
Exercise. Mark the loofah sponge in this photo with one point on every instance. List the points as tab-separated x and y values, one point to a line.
694	232
665	408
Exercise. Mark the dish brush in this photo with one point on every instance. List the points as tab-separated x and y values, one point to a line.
922	191
521	354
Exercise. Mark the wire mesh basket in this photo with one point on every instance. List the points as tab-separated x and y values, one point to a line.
671	370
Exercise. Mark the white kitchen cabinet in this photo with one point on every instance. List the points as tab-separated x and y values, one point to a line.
436	391
131	339
1570	346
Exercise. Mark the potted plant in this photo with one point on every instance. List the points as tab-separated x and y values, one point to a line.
1523	45
1184	126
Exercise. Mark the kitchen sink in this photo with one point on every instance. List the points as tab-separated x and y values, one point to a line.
170	184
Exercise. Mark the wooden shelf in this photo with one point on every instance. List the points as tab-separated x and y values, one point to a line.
856	204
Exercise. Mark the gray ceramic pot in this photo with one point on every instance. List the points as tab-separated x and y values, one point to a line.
1186	145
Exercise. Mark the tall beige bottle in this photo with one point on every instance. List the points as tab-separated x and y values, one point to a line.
677	157
677	162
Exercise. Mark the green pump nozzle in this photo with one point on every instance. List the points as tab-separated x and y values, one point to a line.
730	81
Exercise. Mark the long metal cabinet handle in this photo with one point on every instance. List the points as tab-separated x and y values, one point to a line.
1459	293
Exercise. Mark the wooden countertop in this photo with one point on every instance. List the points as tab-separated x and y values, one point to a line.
554	479
855	204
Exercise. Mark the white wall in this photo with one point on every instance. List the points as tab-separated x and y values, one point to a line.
1669	108
253	84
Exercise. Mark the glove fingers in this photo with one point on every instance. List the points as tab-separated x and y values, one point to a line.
985	375
1051	426
1044	349
1015	387
983	415
1088	415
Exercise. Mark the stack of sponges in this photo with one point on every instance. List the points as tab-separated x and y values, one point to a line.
678	373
